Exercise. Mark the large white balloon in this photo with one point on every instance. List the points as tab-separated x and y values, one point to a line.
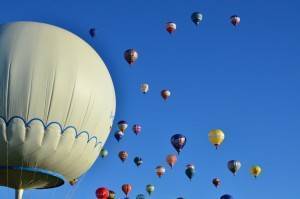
57	103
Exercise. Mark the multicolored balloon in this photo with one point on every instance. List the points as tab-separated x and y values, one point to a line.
137	128
138	161
171	160
197	17
112	195
216	182
171	27
123	155
226	196
145	88
235	20
234	166
122	125
150	189
178	141
216	137
165	94
126	188
255	171
131	55
160	171
102	193
119	135
103	153
190	171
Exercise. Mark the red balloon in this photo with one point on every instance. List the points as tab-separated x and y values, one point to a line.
126	188
102	193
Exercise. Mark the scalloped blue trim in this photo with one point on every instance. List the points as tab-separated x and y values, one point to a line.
60	126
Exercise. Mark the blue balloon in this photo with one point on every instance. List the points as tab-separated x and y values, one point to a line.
140	196
226	196
178	141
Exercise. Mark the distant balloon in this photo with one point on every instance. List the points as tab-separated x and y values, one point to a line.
255	171
112	195
234	166
171	27
137	128
92	32
138	161
150	189
122	125
119	135
216	137
131	55
171	160
160	171
226	196
145	88
103	153
126	188
197	17
190	171
102	193
73	182
216	182
180	198
178	141
235	20
140	196
123	155
165	94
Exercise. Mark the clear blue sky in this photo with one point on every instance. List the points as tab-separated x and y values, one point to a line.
244	80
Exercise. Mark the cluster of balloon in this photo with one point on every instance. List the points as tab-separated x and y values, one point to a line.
170	27
235	20
138	161
123	155
178	141
190	171
171	160
126	188
160	171
137	128
103	153
234	166
131	55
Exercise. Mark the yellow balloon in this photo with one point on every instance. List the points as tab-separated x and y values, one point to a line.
255	171
216	137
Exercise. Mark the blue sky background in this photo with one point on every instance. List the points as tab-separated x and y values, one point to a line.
244	80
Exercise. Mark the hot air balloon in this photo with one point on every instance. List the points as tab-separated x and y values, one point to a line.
123	155
112	195
216	137
131	55
150	189
235	20
170	27
137	128
56	122
171	160
92	32
180	198
160	171
190	171
73	182
178	141
103	153
119	135
234	166
140	196
126	188
122	125
145	88
216	182
102	193
197	17
165	94
255	171
226	196
138	161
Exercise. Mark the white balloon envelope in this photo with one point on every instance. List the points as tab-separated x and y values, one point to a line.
57	103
